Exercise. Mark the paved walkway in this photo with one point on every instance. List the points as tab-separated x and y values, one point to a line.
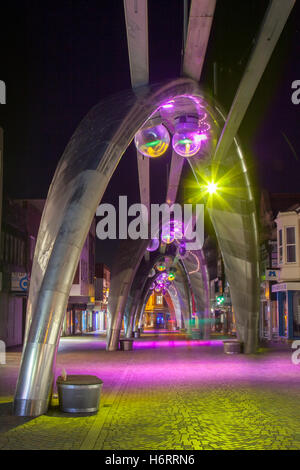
169	393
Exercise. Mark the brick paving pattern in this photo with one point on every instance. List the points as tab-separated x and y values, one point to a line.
167	394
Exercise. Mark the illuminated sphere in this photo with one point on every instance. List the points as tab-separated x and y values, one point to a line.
158	288
152	141
168	238
163	276
171	276
153	244
161	266
187	142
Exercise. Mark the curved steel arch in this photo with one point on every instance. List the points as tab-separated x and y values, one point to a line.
80	180
78	185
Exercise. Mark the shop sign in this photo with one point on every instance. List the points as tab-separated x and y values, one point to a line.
279	288
19	282
272	274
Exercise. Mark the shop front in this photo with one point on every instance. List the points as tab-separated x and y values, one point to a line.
288	299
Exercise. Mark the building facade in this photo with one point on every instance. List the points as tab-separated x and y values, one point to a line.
274	263
20	224
157	313
81	316
287	288
102	287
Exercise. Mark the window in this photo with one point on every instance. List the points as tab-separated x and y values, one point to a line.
274	256
280	245
159	299
290	245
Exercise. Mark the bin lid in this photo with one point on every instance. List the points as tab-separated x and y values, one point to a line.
79	380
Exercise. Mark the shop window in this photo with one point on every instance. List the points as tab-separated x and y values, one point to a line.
290	245
274	256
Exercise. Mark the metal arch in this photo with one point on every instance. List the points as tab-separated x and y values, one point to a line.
200	22
196	270
176	304
171	307
80	180
271	29
181	284
123	272
141	287
136	18
1	176
77	188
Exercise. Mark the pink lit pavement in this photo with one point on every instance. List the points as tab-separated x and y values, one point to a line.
168	393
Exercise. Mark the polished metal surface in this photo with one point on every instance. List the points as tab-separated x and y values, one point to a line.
126	344
79	393
128	259
78	185
136	19
199	27
270	31
1	176
76	190
232	347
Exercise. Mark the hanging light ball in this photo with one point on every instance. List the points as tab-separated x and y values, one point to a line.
153	244
163	276
168	237
158	288
171	276
188	137
161	266
152	141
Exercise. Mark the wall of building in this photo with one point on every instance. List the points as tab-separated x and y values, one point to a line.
11	319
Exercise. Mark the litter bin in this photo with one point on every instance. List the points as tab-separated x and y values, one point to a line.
126	344
232	347
79	393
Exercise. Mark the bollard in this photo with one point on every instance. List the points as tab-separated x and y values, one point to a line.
79	393
126	344
232	347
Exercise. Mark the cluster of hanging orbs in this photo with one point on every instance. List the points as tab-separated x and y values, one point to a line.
165	277
187	132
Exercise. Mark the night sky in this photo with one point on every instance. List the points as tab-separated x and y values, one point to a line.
58	59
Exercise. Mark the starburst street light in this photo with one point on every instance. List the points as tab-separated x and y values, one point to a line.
212	187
